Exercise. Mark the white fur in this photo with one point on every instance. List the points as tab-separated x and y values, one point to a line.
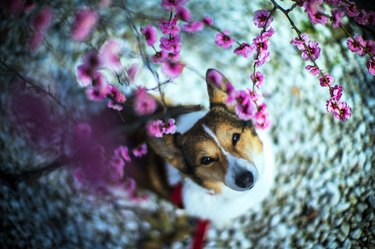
223	207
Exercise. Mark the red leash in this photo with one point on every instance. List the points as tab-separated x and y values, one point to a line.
202	225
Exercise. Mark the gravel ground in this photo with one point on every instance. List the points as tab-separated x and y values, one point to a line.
324	193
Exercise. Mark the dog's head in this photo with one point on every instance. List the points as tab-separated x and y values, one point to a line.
220	149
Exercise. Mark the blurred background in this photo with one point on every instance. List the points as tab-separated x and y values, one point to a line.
324	193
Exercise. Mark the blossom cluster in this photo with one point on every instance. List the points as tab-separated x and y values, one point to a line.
310	51
362	47
249	103
158	128
170	44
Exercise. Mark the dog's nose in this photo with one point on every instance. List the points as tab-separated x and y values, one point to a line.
245	180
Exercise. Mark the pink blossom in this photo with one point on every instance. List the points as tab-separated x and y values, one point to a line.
111	104
262	18
110	54
261	42
244	110
132	72
244	49
337	15
193	27
42	20
318	17
326	80
214	77
263	57
313	69
96	93
115	94
344	111
223	39
268	33
370	46
144	104
159	57
117	165
262	118
171	43
183	13
362	17
351	9
173	69
172	4
300	41
84	22
36	40
169	27
140	150
356	45
314	51
333	2
169	127
257	78
208	20
255	96
149	32
122	152
173	56
331	105
155	128
336	92
371	65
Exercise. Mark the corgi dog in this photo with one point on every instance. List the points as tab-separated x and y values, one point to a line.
225	166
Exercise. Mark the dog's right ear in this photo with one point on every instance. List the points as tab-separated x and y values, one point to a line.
167	148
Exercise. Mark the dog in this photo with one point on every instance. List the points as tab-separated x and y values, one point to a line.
225	166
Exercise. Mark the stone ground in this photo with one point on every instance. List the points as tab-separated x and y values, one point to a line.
324	193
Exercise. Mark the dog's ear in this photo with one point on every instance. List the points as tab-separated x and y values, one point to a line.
167	148
217	87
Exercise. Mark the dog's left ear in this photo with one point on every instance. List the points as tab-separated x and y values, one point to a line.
216	87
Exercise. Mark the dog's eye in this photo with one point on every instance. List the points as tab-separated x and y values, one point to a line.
206	160
235	138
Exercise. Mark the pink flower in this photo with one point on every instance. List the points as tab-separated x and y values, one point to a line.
172	69
122	152
159	57
144	104
223	39
337	15
110	54
96	93
326	80
370	46
208	20
84	22
111	104
117	165
313	69
193	27
371	65
172	4
268	33
261	117
155	128
149	32
334	2
244	49
299	42
169	27
362	17
318	17
42	20
173	56
183	13
261	43
356	45
169	127
132	72
314	51
36	40
331	105
244	111
257	78
115	94
171	43
263	57
262	18
344	111
351	9
336	92
140	150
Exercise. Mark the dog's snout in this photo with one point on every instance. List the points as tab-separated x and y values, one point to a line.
245	180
